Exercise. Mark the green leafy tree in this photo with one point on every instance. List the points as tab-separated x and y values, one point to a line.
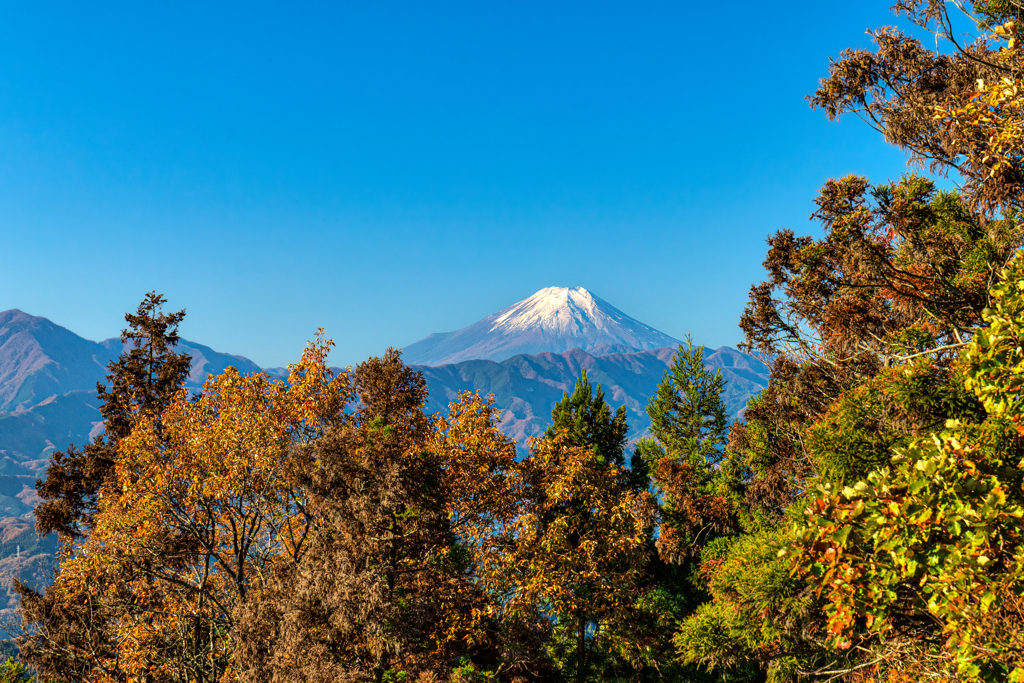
925	556
13	671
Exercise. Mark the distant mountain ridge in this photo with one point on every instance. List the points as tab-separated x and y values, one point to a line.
40	359
48	374
48	378
526	387
554	320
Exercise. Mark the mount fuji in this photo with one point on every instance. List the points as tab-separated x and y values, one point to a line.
525	356
555	319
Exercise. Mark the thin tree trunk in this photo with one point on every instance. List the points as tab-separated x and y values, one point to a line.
581	650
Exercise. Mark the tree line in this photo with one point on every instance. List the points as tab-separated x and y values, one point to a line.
862	523
325	528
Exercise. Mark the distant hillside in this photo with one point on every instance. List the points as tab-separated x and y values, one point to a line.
40	359
526	387
48	378
554	320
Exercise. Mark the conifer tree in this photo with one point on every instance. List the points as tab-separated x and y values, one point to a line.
64	640
581	498
142	381
586	419
689	425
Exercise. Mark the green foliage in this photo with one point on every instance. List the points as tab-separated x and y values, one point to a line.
930	549
688	418
698	485
860	430
467	672
755	608
13	671
587	420
997	354
689	425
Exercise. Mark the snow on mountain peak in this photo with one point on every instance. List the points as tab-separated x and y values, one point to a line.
554	319
558	309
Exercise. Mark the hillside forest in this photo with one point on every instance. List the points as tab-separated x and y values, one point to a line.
863	522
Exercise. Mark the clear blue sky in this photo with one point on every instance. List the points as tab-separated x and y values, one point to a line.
390	169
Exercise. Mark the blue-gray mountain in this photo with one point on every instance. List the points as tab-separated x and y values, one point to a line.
526	356
526	387
48	377
554	320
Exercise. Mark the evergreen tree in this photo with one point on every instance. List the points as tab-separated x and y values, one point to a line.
689	424
63	641
688	417
584	428
696	508
142	381
586	419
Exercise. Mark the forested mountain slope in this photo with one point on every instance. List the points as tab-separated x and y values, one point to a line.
526	387
48	377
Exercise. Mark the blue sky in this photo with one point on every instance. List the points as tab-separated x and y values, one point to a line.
386	170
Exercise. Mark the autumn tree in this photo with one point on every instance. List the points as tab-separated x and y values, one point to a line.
576	546
953	110
485	493
376	593
65	638
198	507
580	543
142	382
899	281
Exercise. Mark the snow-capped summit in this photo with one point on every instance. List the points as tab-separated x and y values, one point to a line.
554	319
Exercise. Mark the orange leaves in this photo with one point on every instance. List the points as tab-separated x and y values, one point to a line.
991	120
483	489
202	506
318	397
561	533
263	524
580	540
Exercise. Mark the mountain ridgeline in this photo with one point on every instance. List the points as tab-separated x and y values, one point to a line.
555	319
526	356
